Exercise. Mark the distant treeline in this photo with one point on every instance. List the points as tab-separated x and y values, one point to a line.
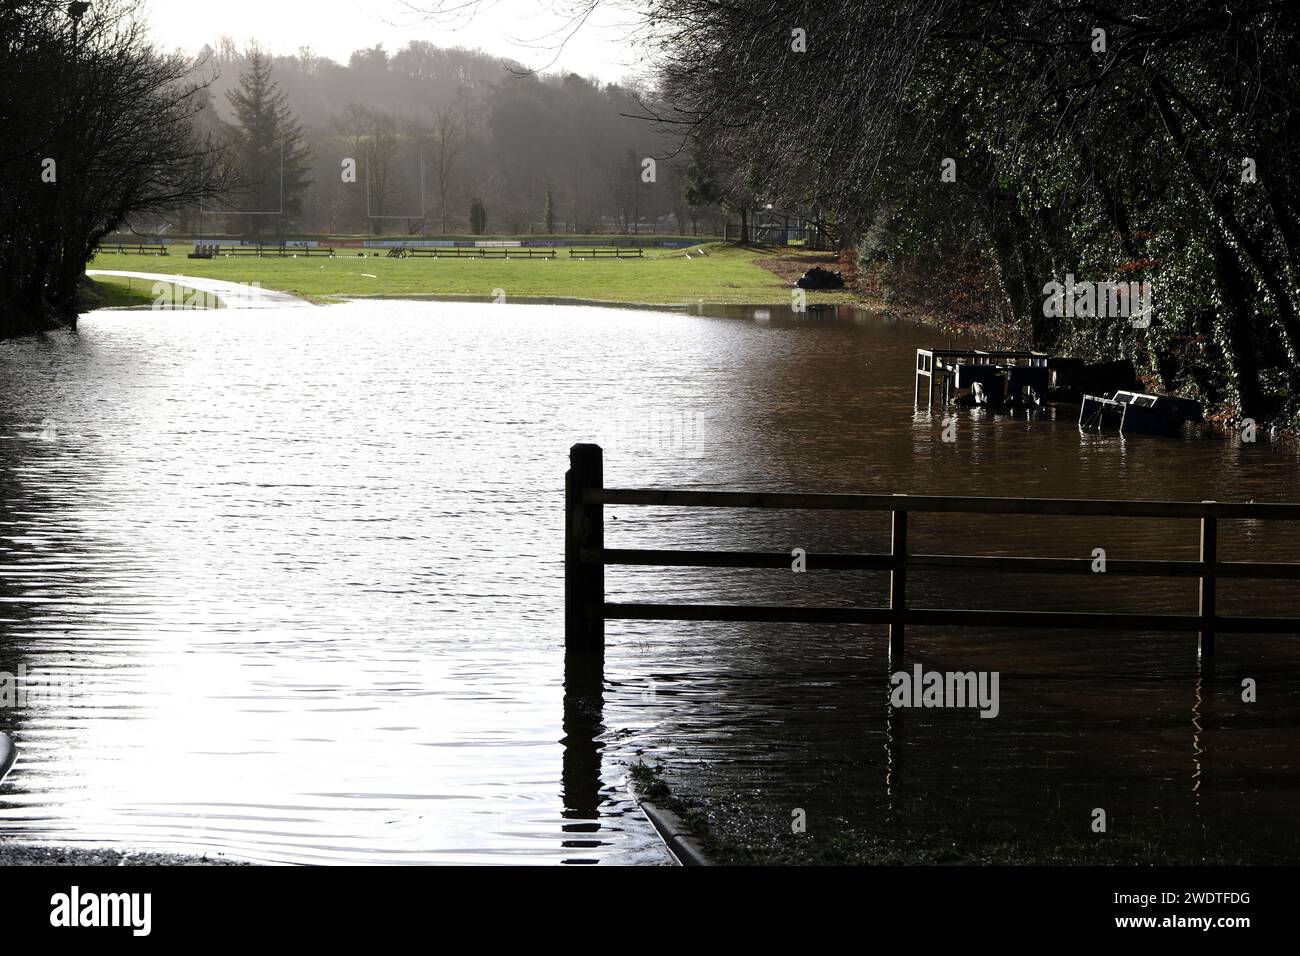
440	141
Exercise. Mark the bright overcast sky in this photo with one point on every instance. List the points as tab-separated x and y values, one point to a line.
334	28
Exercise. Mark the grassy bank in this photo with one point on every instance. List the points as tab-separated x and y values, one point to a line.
714	274
120	292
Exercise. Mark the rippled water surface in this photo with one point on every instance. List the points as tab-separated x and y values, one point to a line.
305	570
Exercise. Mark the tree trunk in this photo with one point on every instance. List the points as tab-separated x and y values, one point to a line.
1237	327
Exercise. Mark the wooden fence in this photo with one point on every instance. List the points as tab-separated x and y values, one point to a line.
586	558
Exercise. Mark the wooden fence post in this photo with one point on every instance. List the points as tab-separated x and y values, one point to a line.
584	527
897	578
1209	555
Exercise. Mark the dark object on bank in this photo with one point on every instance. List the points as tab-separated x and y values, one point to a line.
7	755
1136	413
819	278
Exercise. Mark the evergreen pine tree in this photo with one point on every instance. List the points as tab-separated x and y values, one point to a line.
265	131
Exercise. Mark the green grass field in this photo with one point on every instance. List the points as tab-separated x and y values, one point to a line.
726	274
119	292
573	239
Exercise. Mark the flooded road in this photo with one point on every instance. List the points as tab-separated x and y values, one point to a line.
303	574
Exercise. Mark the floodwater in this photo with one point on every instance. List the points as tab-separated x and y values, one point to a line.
301	574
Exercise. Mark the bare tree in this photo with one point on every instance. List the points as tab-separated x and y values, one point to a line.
371	138
383	171
565	18
447	142
97	134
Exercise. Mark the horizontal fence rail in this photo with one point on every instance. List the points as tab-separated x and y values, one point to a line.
885	562
1076	507
586	559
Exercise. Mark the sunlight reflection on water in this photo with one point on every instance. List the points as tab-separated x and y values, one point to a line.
308	567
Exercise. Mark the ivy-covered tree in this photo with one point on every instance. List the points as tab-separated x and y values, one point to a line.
1122	140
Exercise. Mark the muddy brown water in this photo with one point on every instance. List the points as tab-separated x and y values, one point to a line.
303	571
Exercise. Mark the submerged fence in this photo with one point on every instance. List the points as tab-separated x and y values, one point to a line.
586	558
